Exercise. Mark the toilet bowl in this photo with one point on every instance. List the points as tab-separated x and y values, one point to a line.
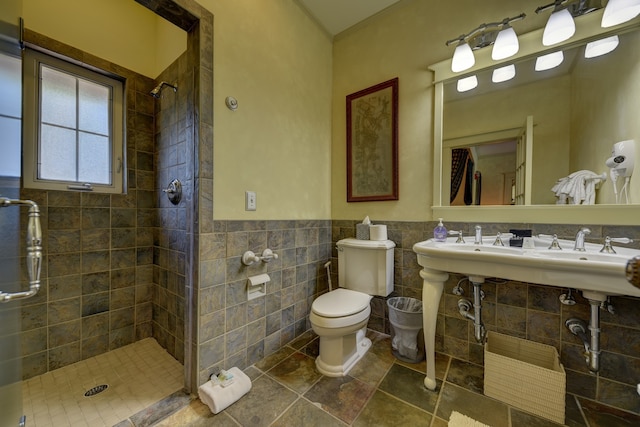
340	319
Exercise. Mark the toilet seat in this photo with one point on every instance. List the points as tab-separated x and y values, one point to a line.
340	303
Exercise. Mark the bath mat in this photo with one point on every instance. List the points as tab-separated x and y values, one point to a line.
460	420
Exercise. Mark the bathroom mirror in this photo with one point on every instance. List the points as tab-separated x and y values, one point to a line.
579	110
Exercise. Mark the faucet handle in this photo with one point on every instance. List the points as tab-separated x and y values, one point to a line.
608	247
555	245
500	236
459	234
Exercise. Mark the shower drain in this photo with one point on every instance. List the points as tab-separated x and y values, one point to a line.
96	390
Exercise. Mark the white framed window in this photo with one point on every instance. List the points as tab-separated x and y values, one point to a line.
73	126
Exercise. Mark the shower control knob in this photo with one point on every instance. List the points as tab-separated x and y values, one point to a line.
633	271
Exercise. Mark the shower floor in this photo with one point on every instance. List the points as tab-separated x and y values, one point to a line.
138	375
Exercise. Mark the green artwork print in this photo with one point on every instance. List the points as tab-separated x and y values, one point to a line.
372	145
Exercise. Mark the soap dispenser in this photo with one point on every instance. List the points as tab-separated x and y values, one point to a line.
440	232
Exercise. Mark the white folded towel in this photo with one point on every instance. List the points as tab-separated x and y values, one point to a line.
217	397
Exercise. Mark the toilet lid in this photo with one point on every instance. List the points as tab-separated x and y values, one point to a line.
340	302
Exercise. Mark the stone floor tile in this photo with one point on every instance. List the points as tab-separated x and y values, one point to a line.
386	410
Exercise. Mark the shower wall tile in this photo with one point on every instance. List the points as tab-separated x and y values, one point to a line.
63	287
63	310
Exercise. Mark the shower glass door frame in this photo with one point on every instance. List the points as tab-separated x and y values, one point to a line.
11	413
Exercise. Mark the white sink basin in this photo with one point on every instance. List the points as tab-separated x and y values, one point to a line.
596	274
589	271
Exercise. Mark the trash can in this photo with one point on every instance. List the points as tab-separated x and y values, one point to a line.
405	315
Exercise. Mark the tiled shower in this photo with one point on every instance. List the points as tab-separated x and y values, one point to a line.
98	272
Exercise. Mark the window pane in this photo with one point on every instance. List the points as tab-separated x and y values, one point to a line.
58	102
10	86
94	159
93	105
11	144
57	153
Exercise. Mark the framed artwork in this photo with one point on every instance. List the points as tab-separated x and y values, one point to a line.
372	143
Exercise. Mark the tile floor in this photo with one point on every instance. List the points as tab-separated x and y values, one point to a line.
137	375
287	391
379	391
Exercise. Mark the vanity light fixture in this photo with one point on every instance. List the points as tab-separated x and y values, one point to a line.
560	26
499	34
619	11
549	61
506	44
463	58
601	47
467	83
503	74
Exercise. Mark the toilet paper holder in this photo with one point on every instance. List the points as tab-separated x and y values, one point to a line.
257	286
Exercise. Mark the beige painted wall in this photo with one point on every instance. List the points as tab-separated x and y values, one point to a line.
610	93
269	55
120	31
287	140
402	42
276	62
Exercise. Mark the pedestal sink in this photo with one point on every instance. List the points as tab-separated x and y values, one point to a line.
597	275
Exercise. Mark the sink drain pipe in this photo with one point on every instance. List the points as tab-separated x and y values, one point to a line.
464	307
578	327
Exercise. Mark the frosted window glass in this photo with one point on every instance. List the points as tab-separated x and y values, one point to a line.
57	153
58	98
94	159
93	107
10	129
10	86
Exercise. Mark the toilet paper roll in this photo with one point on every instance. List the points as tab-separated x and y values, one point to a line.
378	232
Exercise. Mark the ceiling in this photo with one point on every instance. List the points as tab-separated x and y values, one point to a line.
338	15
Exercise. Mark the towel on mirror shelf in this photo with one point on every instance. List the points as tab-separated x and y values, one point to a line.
217	397
577	188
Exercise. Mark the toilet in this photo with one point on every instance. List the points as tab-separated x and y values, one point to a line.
339	317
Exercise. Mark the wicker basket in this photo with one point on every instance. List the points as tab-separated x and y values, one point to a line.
525	374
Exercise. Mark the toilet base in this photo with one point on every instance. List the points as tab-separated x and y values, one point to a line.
339	354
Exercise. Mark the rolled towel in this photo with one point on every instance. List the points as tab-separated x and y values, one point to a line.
217	397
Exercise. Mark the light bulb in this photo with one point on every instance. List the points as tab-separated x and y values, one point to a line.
601	47
503	74
506	44
618	11
549	61
467	83
559	28
463	58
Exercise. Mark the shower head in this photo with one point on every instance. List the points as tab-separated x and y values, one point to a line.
155	92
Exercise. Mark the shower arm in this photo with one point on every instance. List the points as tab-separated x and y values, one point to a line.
155	92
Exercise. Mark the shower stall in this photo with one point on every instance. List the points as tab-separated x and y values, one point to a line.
116	269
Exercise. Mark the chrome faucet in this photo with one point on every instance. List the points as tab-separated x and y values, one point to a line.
579	245
478	239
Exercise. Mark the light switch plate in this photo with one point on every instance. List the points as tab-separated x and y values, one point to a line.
250	201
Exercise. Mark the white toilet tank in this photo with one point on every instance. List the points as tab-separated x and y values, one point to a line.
366	265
